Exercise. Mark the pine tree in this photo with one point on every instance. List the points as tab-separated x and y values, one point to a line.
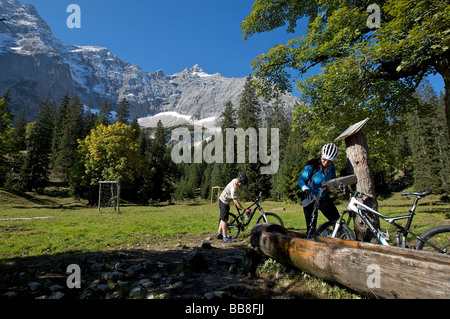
161	164
16	156
19	132
36	169
205	191
292	166
278	119
105	114
249	118
428	142
5	134
249	107
228	117
58	124
122	111
90	120
228	171
71	129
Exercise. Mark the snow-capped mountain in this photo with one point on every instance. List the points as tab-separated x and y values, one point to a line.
34	65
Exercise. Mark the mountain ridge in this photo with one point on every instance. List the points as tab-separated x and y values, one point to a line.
35	65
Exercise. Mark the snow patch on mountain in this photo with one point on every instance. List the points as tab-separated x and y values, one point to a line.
170	119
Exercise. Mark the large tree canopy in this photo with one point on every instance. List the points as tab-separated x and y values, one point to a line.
367	71
111	153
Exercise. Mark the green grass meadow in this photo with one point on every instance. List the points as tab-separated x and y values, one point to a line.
72	227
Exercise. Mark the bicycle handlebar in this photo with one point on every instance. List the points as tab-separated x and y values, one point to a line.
355	193
361	194
258	197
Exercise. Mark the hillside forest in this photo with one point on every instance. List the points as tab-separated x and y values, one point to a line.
69	147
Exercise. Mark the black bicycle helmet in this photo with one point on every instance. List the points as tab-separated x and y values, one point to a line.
242	178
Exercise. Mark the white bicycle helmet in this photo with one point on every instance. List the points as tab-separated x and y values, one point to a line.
330	151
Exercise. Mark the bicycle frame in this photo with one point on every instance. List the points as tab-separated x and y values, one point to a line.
250	216
358	207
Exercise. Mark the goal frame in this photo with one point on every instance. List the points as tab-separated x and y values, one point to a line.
117	195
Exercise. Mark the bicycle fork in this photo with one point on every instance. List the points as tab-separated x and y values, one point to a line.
338	225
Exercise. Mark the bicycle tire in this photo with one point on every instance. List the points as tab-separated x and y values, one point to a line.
345	232
264	219
438	236
233	226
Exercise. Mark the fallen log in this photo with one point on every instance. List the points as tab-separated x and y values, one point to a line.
376	270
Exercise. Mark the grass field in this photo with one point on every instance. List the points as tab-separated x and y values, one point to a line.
71	227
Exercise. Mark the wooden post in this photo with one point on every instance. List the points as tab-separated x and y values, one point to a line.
358	155
219	188
375	270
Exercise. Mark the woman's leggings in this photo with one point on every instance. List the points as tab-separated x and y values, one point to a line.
326	206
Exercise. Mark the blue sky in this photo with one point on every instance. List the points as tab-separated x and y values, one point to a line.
164	34
169	34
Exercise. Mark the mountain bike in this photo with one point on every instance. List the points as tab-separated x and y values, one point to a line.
436	239
236	224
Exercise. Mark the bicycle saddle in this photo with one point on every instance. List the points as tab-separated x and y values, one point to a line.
421	194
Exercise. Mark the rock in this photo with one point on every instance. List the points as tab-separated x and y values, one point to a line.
150	295
135	292
216	295
148	284
56	287
86	294
56	295
119	266
137	268
143	281
34	286
97	267
114	295
157	276
112	276
233	269
10	294
194	263
102	287
206	245
243	290
229	260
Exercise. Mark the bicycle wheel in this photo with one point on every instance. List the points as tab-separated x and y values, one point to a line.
270	218
438	236
233	226
326	230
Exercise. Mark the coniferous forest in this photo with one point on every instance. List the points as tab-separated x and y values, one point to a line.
69	147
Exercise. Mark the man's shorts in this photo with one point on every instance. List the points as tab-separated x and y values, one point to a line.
224	211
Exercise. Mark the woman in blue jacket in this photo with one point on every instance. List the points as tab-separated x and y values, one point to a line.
316	172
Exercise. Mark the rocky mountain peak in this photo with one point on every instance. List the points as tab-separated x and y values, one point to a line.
36	66
25	32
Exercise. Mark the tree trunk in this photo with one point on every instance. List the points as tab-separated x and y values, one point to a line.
443	68
358	155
